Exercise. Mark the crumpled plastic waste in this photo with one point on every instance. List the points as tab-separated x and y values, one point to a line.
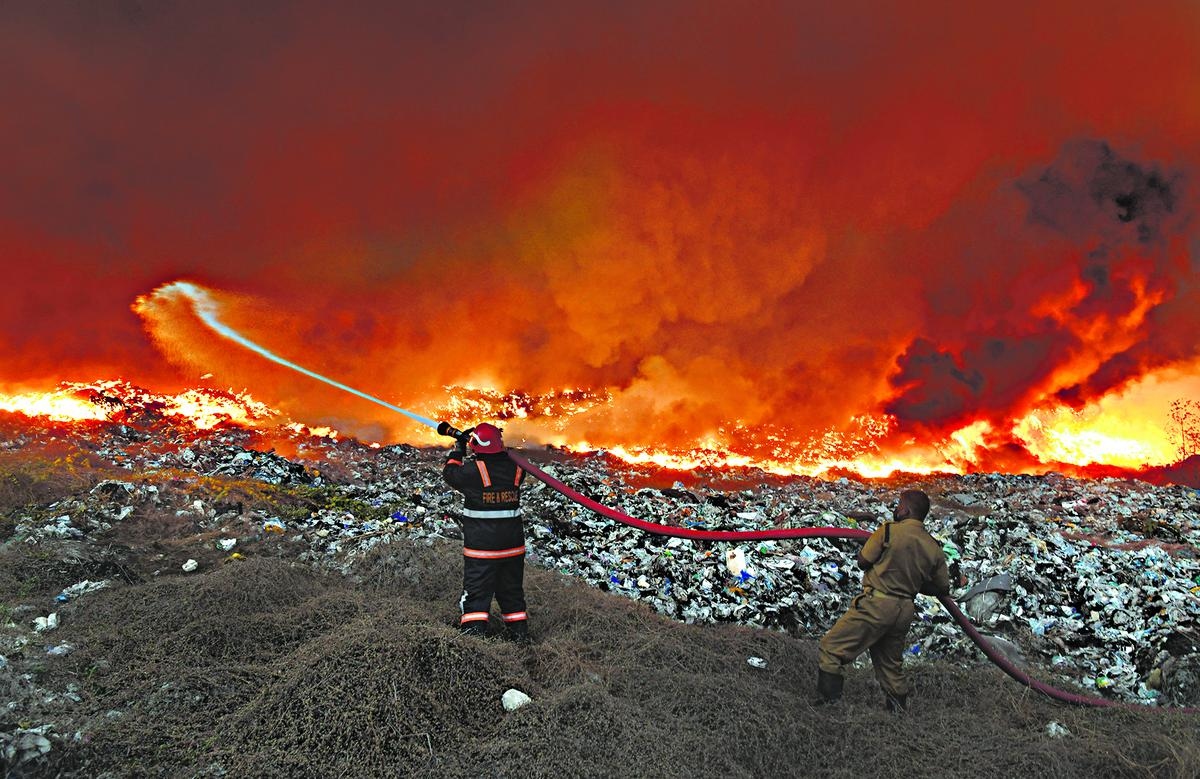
983	600
81	588
46	624
514	699
735	561
1055	730
24	745
1002	582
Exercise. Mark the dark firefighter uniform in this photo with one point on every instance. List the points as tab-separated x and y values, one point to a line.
901	559
493	539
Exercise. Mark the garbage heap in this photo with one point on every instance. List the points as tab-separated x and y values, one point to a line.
1095	583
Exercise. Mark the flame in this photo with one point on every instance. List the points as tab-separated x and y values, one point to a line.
321	431
1125	429
203	409
690	460
1129	429
1119	428
858	448
206	410
1116	431
57	406
1021	360
553	408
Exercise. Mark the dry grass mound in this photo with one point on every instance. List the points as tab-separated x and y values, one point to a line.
372	699
266	669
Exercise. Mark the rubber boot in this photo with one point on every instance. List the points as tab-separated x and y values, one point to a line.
476	627
517	632
829	687
896	704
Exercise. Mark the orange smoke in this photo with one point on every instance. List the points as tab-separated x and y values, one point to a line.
811	236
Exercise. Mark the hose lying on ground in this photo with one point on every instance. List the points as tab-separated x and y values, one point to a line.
992	653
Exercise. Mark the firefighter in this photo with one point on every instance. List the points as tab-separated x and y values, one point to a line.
900	559
493	536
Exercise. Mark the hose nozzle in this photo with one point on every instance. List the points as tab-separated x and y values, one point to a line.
450	431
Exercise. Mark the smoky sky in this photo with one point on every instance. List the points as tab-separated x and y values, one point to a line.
790	213
1090	282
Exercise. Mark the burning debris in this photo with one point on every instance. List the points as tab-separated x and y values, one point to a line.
122	402
485	403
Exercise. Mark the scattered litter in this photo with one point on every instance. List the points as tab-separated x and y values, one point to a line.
273	526
190	566
24	745
60	650
225	544
81	588
756	662
1055	730
1008	649
514	699
46	624
1086	596
735	561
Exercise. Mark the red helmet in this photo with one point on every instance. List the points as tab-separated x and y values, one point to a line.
486	439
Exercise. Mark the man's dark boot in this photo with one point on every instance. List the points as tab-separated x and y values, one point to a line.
896	703
829	687
476	628
517	632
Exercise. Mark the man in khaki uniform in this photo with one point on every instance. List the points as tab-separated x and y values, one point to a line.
900	559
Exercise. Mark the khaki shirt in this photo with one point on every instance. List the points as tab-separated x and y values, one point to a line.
913	562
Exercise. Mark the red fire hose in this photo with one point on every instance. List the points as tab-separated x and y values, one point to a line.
972	632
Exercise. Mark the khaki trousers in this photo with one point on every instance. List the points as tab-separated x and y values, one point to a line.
874	622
